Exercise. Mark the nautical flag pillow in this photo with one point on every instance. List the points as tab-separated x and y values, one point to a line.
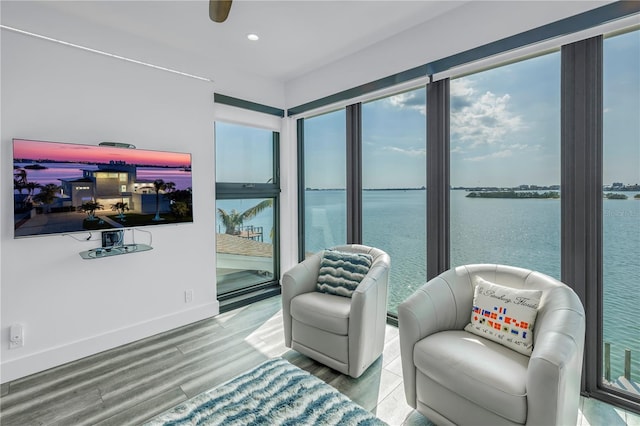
340	272
505	315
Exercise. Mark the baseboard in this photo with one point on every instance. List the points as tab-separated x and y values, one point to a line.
53	357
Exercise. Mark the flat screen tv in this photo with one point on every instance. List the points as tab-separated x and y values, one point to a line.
63	188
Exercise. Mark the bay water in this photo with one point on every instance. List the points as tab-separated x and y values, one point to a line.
518	232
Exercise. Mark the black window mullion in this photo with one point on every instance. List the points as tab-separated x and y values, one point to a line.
354	173
276	159
301	188
581	191
438	177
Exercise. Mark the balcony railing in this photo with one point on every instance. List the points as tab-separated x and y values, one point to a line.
624	382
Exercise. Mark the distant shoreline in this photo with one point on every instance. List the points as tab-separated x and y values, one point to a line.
494	189
368	189
514	194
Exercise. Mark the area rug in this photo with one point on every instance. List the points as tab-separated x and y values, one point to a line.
274	393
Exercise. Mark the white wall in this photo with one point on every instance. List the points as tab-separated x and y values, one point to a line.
71	307
472	25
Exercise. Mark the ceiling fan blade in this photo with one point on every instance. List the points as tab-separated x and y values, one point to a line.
219	10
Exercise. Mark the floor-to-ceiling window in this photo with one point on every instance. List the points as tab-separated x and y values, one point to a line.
505	165
621	213
513	136
246	207
394	187
325	199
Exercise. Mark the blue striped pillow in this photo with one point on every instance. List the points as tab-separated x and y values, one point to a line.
340	272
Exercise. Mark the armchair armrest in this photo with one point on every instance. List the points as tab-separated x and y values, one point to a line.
367	319
557	359
443	303
300	279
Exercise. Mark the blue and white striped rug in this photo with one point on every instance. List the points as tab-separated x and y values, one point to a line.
274	393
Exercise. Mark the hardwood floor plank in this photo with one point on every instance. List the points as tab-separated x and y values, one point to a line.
145	410
85	371
45	413
132	383
224	370
144	372
53	391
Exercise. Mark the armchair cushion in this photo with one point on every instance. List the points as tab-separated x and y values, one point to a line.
341	272
505	315
323	311
479	370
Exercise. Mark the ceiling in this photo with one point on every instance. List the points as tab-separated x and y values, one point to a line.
296	37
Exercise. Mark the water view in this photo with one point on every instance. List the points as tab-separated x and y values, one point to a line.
519	232
523	232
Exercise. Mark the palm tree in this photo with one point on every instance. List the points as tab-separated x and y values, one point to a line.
47	194
234	219
31	188
90	208
161	185
120	207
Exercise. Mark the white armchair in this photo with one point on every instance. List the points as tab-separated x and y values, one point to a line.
346	334
455	377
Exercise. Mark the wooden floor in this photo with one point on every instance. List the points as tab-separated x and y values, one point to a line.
132	383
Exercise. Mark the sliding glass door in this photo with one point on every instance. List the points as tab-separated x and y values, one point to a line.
621	215
394	199
505	166
517	148
325	182
246	208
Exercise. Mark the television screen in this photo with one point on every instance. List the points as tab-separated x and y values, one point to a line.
62	188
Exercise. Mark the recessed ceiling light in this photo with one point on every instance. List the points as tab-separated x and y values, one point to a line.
253	37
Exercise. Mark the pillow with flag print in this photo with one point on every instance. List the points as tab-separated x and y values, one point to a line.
341	272
505	315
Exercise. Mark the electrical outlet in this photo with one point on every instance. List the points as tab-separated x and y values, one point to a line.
16	336
188	296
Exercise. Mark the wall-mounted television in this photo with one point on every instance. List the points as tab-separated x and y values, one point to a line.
63	188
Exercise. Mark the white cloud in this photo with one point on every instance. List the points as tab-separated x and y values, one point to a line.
412	152
498	154
518	146
480	118
415	100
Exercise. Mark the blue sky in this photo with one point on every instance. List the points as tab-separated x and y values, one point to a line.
505	125
243	154
505	128
621	133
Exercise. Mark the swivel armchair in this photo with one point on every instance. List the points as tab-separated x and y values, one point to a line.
454	376
344	333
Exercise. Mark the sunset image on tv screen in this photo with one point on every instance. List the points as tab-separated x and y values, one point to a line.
62	187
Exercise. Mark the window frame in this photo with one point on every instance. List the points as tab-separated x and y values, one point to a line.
581	171
253	190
